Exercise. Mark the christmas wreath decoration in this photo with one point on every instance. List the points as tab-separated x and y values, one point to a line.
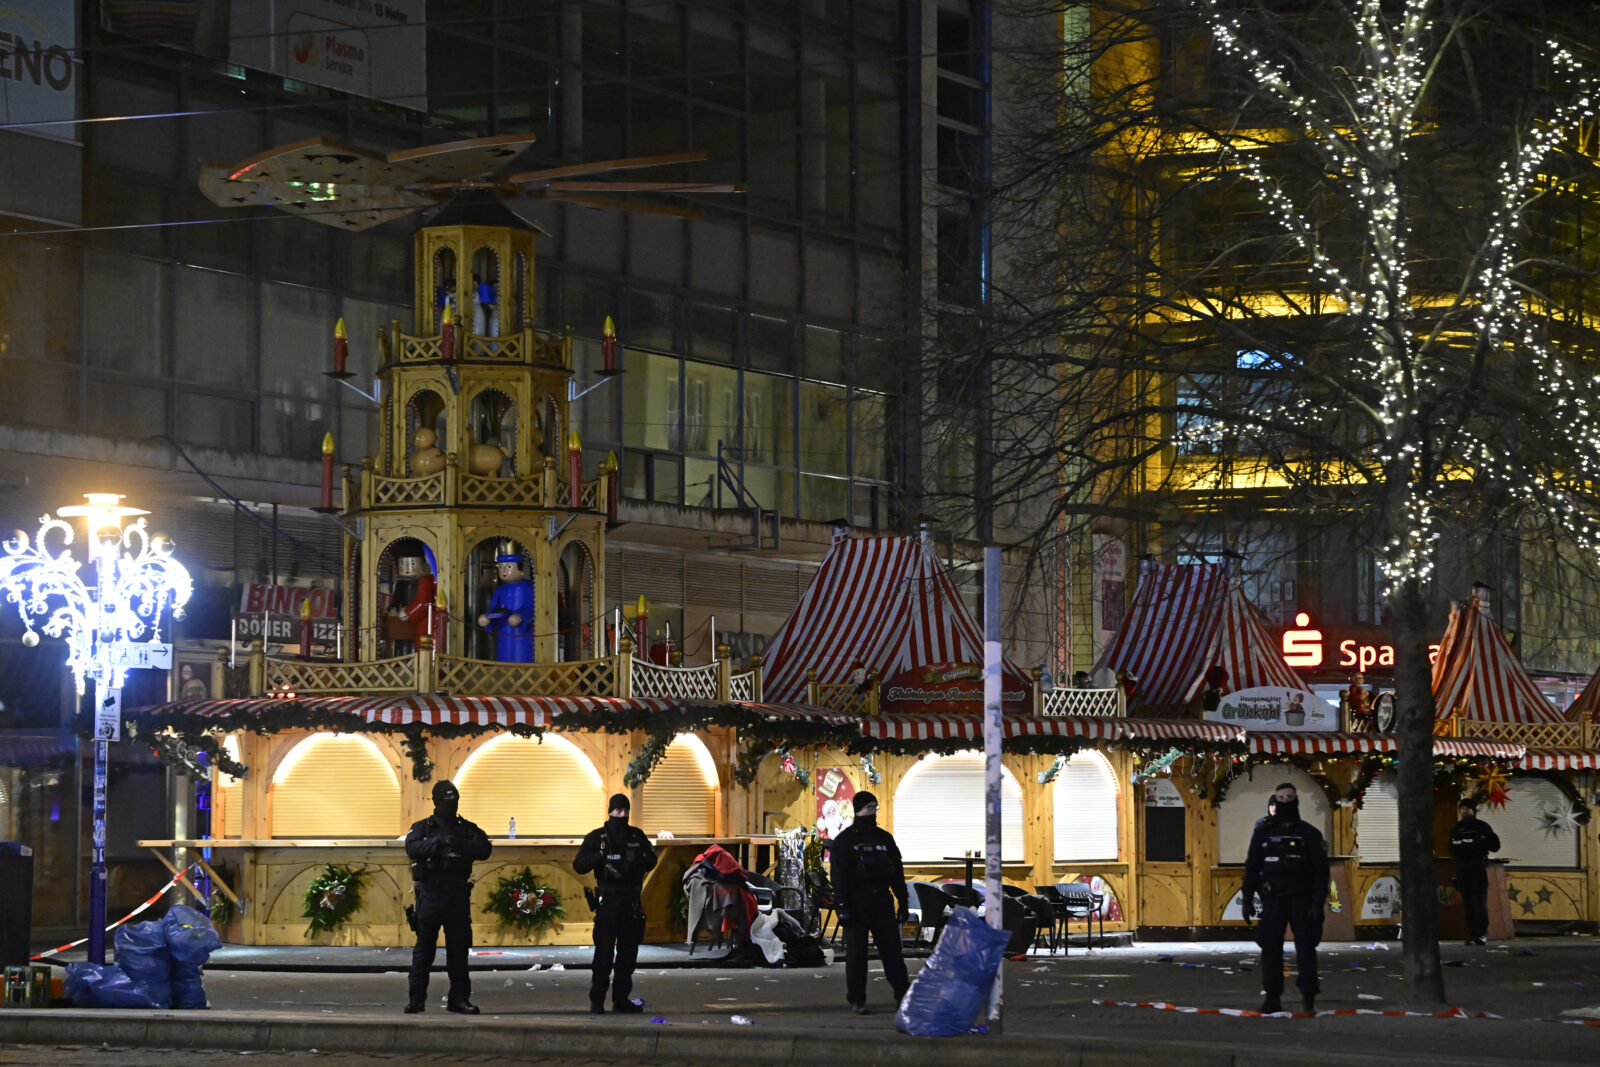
220	906
332	897
521	902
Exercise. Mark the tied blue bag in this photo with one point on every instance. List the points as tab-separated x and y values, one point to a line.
190	939
142	954
103	985
953	987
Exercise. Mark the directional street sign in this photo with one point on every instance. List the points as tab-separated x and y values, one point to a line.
125	655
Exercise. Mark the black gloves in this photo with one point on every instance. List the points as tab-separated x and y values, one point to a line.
903	915
1249	908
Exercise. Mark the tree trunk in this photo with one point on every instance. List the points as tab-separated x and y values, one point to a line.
1414	713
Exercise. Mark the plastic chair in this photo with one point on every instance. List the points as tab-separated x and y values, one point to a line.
1060	913
1044	916
935	905
1016	917
1081	902
824	910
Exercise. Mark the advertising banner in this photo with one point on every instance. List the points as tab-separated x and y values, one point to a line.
38	65
1270	707
272	614
949	688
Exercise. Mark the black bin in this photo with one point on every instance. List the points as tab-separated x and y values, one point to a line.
16	903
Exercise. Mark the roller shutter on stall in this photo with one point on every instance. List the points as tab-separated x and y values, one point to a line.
335	785
939	805
1246	802
1524	841
550	787
1085	795
680	796
1378	822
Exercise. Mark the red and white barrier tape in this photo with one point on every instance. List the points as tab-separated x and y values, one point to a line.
1244	1013
157	895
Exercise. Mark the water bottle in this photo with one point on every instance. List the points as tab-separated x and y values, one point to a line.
511	831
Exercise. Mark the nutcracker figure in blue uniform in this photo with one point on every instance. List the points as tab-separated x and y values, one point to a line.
510	614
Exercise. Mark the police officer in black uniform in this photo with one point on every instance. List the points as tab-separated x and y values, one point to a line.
869	889
442	849
1471	841
620	855
1288	865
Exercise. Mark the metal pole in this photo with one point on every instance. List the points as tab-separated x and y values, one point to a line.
97	866
992	893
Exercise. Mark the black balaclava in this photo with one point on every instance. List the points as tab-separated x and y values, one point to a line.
446	801
618	802
866	806
1286	810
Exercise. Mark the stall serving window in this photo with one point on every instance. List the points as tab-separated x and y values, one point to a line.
680	795
548	785
1085	809
227	816
1246	802
938	810
1520	825
1378	823
335	785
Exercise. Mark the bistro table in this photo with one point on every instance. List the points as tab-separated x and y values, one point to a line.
969	859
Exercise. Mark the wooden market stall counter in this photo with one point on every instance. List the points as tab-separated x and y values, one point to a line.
266	879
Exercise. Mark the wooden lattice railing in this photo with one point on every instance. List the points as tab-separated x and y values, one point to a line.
742	686
476	677
687	683
398	675
391	492
1073	703
843	697
476	489
1532	734
512	348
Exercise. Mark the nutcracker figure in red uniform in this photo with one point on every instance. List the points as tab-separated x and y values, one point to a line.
411	604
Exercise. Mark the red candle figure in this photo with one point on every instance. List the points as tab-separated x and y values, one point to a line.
305	628
611	473
447	335
608	346
327	473
574	469
341	349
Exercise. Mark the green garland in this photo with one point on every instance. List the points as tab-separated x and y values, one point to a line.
221	905
521	902
332	897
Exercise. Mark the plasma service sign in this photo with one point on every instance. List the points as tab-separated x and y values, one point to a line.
372	48
1271	707
38	71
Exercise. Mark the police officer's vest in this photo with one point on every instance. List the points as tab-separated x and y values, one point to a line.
1286	859
873	865
622	865
1468	843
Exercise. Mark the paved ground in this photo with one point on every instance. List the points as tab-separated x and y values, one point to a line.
1537	987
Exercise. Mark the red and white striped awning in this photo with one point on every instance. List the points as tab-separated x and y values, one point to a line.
1560	759
1459	747
1478	676
883	602
428	709
969	727
1184	619
1317	743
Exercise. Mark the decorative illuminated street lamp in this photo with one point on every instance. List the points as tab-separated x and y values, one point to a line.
104	621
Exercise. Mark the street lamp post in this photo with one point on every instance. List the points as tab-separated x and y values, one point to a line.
104	621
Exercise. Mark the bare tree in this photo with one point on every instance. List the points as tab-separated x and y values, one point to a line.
1312	261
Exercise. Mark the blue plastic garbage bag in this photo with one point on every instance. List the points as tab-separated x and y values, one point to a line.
191	939
142	953
103	985
954	985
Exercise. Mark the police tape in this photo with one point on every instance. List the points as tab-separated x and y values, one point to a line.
142	907
1245	1013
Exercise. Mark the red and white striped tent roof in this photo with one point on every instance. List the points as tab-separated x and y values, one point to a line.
1561	759
1587	706
883	602
1184	618
1477	676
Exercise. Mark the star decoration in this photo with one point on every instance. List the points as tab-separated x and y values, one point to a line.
1496	783
1558	818
1528	904
1544	894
